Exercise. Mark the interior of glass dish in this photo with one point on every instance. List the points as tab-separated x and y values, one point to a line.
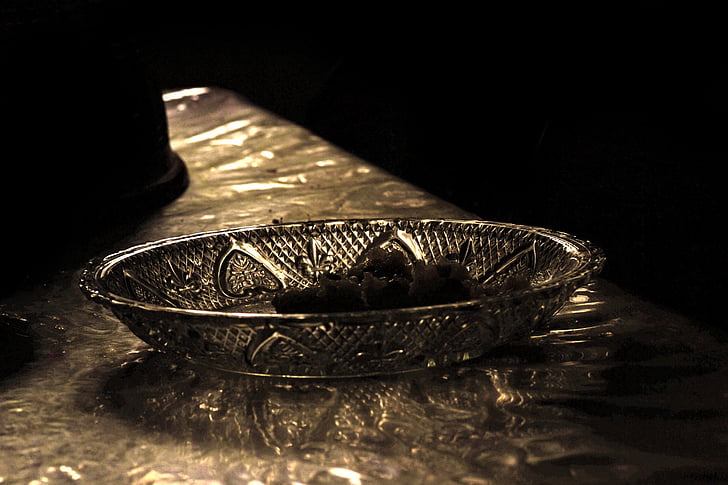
245	268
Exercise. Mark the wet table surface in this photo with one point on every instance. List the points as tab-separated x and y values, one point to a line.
612	390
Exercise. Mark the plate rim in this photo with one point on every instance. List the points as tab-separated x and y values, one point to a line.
90	281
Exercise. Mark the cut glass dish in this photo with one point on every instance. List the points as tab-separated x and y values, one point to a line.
207	296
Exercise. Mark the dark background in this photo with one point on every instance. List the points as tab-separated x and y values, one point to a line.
608	125
611	129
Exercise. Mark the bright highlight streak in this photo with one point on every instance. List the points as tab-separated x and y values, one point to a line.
184	93
353	477
218	131
260	186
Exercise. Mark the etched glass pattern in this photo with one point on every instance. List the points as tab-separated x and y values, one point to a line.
207	296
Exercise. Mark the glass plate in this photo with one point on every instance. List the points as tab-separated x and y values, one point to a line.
207	296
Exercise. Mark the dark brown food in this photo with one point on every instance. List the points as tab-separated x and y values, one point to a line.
382	279
442	282
331	294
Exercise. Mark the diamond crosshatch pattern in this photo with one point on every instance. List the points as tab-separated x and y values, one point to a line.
173	299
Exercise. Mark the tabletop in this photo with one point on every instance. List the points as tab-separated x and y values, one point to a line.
614	389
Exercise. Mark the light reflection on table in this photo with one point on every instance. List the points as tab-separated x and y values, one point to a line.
613	390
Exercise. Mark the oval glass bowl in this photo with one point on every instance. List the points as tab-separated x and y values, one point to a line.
207	296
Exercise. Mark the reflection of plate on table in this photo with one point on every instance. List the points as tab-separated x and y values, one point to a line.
207	296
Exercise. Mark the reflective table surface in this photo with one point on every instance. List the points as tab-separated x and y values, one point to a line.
612	390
